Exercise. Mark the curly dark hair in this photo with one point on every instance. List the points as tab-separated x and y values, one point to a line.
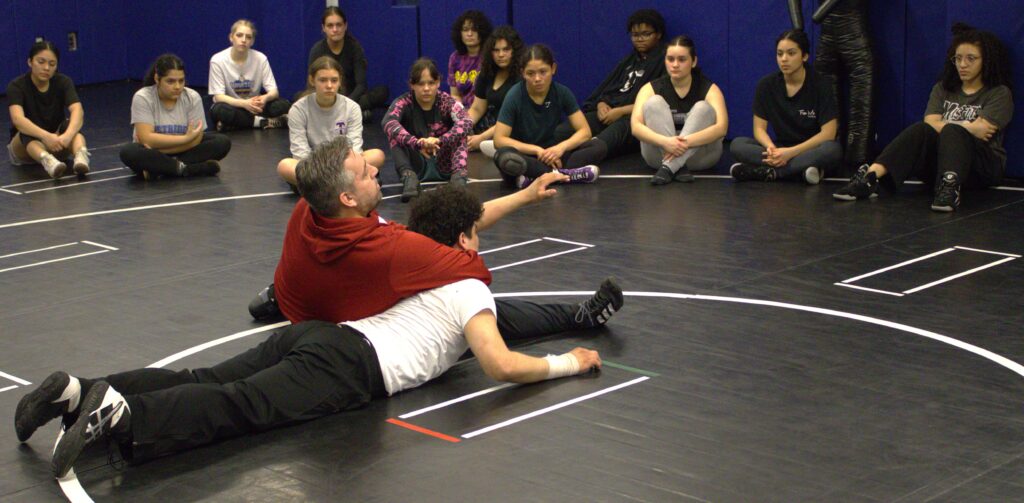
995	62
480	23
511	37
646	16
445	213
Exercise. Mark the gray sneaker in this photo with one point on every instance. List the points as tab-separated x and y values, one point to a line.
53	167
81	162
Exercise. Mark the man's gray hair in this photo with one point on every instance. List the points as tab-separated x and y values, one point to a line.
322	176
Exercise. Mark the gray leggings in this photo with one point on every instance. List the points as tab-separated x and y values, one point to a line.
658	117
825	157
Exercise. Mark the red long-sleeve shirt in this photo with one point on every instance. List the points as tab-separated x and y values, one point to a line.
342	269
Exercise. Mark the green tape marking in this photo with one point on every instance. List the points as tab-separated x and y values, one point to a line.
620	366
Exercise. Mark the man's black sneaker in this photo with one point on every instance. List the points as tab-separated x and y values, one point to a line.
264	306
596	310
947	195
410	186
104	412
743	172
862	185
41	405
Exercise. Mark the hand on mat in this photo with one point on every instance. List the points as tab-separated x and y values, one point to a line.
981	129
538	190
603	109
588	359
552	156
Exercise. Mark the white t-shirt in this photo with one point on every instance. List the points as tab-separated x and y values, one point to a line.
240	81
422	336
309	125
147	109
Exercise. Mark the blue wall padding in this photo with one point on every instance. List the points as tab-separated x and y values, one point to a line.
436	18
734	40
558	25
387	33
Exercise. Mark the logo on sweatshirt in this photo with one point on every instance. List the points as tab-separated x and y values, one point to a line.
341	128
809	114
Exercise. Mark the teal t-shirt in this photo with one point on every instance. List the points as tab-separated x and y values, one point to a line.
532	123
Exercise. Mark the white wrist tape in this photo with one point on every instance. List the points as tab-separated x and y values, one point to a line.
562	365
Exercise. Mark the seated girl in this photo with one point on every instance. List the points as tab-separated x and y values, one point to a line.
40	130
801	108
323	115
170	137
499	71
680	118
525	132
427	132
960	142
237	76
469	32
339	44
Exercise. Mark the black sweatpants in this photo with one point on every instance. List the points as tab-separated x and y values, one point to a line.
921	152
138	158
617	136
522	320
590	152
299	373
240	118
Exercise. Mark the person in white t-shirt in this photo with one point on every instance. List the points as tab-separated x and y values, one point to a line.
302	372
322	115
238	74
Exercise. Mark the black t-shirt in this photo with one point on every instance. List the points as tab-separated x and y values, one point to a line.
424	123
799	117
352	60
681	105
46	110
484	89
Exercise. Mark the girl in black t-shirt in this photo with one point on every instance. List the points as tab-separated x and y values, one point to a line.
800	106
41	132
960	141
499	72
680	118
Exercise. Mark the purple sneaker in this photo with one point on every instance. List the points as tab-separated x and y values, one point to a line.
585	174
523	181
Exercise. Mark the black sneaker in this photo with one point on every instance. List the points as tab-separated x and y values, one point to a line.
596	310
662	177
683	175
205	168
862	185
743	172
99	419
410	186
458	180
41	405
947	195
264	306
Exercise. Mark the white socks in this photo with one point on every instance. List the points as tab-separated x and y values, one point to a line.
72	393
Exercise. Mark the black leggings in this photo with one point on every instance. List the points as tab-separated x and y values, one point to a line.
591	152
240	118
299	373
920	151
138	158
617	136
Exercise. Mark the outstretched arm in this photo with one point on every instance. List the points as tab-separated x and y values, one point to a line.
499	363
496	209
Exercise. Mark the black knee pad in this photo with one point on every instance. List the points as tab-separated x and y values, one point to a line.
264	306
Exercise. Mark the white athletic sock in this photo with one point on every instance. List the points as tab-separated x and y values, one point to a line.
72	393
113	397
257	121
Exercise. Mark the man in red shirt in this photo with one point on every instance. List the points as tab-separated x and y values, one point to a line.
341	261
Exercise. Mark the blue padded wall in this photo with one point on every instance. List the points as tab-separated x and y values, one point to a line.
12	61
558	25
753	27
388	34
285	32
889	46
436	18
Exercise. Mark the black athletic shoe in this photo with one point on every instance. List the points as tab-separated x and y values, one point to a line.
205	168
596	310
264	306
662	177
410	186
683	175
862	185
41	405
458	180
96	421
947	196
743	172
